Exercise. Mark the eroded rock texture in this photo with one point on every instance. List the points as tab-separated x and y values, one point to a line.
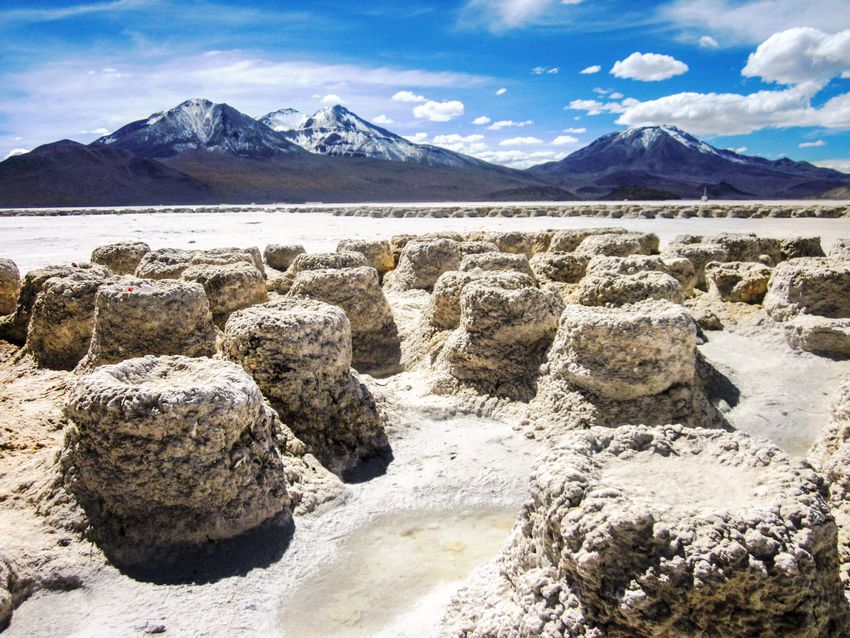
664	531
229	287
281	256
315	261
621	244
496	261
10	286
622	289
737	281
421	262
811	286
375	344
444	310
558	267
163	317
122	258
378	253
168	453
298	351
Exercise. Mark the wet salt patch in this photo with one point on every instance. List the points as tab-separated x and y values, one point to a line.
394	576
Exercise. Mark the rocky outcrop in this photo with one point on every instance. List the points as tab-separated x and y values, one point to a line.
229	287
515	242
567	241
421	262
137	317
170	453
281	256
820	335
164	263
558	267
663	531
476	247
496	261
620	244
444	309
619	290
315	261
62	322
13	328
299	352
375	344
737	281
378	253
121	258
840	250
10	286
811	286
502	338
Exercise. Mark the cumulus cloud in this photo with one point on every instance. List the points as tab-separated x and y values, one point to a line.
800	55
501	91
549	70
596	107
16	151
382	119
468	144
503	15
590	70
481	120
574	131
516	158
407	96
616	95
707	42
648	67
332	98
416	138
740	150
520	141
814	144
498	126
438	111
564	140
842	165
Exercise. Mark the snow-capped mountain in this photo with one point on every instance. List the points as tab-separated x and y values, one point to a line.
666	158
336	131
199	125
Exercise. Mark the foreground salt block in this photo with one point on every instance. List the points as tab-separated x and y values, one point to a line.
281	256
815	286
315	261
421	262
298	350
515	242
229	287
164	263
162	317
230	255
444	309
172	452
62	321
10	286
378	253
619	244
820	335
737	281
669	531
375	343
122	258
625	353
496	261
476	247
13	328
682	270
840	250
561	267
502	337
568	240
619	290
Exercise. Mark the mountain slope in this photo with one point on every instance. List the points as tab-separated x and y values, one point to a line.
664	157
67	173
199	125
338	132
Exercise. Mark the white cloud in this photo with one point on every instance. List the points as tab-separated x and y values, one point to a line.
501	91
590	70
616	95
438	111
502	15
16	151
520	159
416	138
801	55
481	120
740	150
498	126
468	144
648	67
382	120
575	131
554	70
707	42
520	141
549	70
842	165
595	107
752	21
407	96
332	98
814	144
100	132
564	140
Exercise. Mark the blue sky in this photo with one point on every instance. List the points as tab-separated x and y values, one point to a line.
517	82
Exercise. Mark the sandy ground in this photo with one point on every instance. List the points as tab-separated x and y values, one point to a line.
447	467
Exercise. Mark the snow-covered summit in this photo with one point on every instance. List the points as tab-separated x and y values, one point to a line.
283	119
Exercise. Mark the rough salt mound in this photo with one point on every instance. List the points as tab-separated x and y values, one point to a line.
625	353
515	242
619	290
378	253
299	352
13	328
820	335
444	310
229	287
164	263
10	286
281	256
558	267
665	531
230	255
619	244
121	258
682	270
315	261
62	322
421	263
738	281
6	601
172	452
496	261
811	286
502	338
790	248
476	247
567	241
375	344
138	317
840	250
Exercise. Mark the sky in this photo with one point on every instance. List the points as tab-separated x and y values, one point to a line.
515	82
